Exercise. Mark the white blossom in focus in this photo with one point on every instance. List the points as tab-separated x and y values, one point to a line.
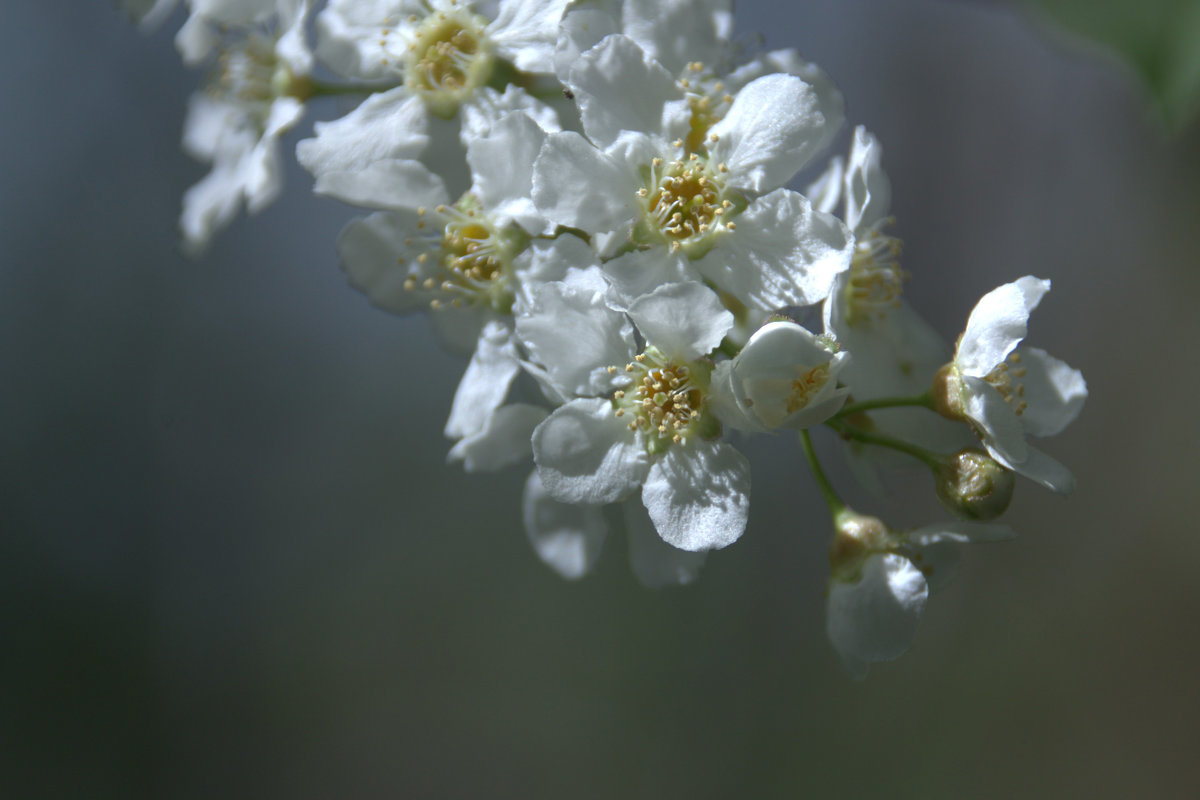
641	419
1007	390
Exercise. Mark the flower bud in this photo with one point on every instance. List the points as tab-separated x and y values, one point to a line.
947	393
973	485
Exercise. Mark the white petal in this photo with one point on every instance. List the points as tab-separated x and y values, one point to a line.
387	125
525	32
698	495
656	563
576	337
503	440
875	618
724	403
387	184
676	32
642	271
998	324
544	261
348	37
576	185
783	253
775	125
568	538
586	454
502	168
1054	392
485	384
683	320
480	113
868	191
995	419
1040	468
619	87
580	30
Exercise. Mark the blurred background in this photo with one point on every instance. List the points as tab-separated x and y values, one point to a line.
232	562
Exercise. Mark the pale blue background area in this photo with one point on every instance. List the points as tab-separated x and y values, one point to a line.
233	564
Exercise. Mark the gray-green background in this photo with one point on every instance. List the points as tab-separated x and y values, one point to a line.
232	562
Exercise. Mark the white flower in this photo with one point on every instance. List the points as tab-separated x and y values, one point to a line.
691	215
1007	390
651	427
235	123
882	579
785	377
443	50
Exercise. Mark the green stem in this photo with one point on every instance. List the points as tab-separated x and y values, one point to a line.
923	400
836	507
323	89
729	348
930	458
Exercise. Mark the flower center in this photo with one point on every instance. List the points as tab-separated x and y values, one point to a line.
806	387
876	279
473	259
447	59
1002	377
685	204
666	400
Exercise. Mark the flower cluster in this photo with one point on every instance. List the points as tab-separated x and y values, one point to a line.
590	200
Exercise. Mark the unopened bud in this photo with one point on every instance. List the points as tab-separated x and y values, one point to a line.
947	393
974	485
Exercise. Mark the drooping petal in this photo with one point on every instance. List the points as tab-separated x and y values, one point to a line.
698	495
1039	468
586	454
775	125
486	381
875	617
783	253
619	87
683	320
387	125
1054	392
656	563
578	186
998	324
387	184
568	538
576	337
